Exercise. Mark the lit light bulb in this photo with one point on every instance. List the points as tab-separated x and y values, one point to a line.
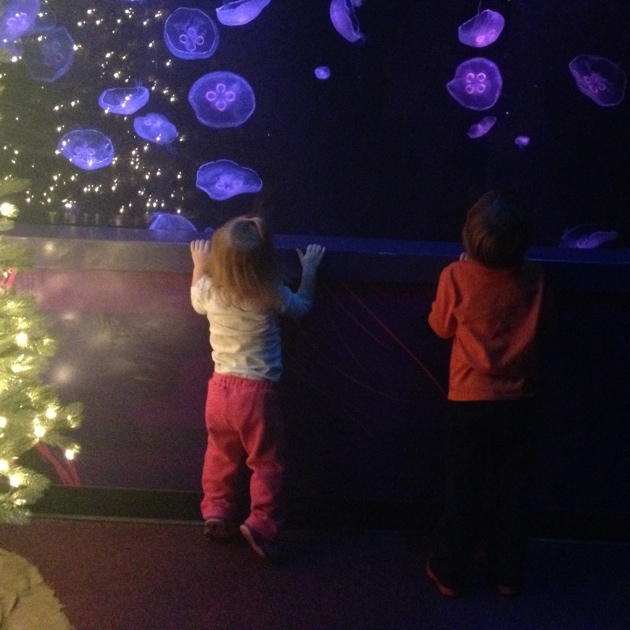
3	422
69	454
21	339
51	414
15	481
4	465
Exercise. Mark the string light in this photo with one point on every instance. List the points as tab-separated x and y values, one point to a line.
15	481
39	431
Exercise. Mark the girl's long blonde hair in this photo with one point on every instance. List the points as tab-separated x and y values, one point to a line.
242	264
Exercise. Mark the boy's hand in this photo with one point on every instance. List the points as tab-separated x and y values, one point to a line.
311	258
199	251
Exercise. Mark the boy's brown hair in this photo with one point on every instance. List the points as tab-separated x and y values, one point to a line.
242	264
495	233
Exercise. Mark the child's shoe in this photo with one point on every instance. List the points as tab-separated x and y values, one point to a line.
216	529
447	591
265	548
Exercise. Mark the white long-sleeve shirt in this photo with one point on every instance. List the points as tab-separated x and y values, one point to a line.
246	342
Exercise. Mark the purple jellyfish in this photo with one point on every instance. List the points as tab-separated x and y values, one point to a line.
586	236
88	149
482	30
600	79
477	84
522	141
171	223
124	101
222	99
239	12
49	56
190	34
322	72
482	127
17	18
155	128
223	179
344	19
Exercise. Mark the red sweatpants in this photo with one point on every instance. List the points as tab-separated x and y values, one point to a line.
243	418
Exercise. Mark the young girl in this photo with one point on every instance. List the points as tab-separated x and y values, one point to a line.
494	305
235	283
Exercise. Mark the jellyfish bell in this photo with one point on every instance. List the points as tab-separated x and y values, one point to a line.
49	56
17	18
344	19
522	141
240	12
482	30
89	149
587	236
322	72
482	127
477	84
600	79
223	179
190	34
169	222
155	128
222	99
123	101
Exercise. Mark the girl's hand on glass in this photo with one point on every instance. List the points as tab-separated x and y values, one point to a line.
311	258
199	250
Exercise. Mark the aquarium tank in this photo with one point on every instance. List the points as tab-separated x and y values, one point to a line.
355	118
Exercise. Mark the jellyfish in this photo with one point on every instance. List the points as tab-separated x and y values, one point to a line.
88	149
482	30
239	12
123	100
49	56
482	127
190	34
222	99
322	72
586	236
223	179
171	223
344	19
477	84
599	78
155	128
17	18
522	141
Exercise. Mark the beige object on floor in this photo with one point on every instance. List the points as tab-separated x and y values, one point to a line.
26	603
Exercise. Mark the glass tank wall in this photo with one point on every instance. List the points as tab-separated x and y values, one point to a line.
343	118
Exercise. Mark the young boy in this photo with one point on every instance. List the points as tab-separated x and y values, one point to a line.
493	304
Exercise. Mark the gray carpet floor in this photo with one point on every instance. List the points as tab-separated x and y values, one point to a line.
123	575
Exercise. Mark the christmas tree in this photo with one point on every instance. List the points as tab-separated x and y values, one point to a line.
31	415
